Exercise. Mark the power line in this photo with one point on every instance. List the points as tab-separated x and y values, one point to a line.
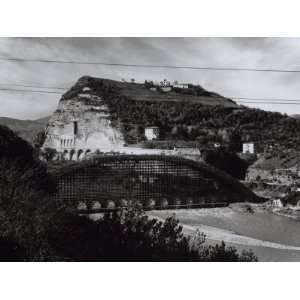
32	86
254	100
238	99
263	99
280	103
29	91
239	69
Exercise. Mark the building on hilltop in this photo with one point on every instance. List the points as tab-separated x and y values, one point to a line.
166	89
181	85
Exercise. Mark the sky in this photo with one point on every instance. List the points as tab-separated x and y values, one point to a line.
261	53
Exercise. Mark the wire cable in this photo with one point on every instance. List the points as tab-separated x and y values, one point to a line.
239	69
240	100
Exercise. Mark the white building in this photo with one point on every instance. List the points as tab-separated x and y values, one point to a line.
277	203
151	133
248	148
165	83
181	86
166	89
186	151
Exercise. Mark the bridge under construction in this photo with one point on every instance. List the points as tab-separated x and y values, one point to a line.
150	181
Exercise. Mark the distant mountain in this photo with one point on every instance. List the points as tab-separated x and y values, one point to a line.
296	116
26	129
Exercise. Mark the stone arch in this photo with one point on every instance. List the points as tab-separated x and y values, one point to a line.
65	154
123	202
110	204
190	202
96	205
150	204
72	152
164	203
81	206
79	154
87	151
177	202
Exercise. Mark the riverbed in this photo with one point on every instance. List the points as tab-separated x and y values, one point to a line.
271	237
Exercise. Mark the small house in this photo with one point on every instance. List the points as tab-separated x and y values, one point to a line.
248	148
181	86
277	203
166	89
152	133
165	83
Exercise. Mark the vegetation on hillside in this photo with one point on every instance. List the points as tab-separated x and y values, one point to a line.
33	227
24	189
189	120
132	236
226	161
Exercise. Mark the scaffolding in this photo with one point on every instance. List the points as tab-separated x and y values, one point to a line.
151	181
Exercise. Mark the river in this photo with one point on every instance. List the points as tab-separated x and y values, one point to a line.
271	237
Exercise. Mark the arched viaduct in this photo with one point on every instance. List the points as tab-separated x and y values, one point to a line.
152	181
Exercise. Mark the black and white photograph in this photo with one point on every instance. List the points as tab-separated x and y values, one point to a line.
149	150
160	160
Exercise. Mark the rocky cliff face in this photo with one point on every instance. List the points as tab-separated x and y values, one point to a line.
101	114
81	125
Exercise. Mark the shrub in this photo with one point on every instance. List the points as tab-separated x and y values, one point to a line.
133	236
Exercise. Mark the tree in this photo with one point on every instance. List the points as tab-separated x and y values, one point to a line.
25	187
130	235
235	143
25	204
226	161
49	154
39	139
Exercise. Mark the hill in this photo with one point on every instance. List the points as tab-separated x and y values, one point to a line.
132	106
26	129
105	114
143	92
193	114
